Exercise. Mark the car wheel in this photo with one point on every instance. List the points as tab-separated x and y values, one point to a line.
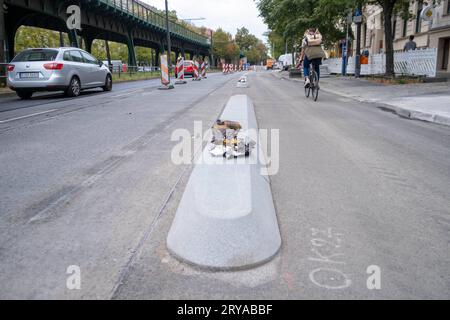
25	95
108	83
74	88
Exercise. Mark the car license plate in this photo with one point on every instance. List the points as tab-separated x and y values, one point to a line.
29	75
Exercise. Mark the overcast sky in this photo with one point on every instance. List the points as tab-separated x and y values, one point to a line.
228	14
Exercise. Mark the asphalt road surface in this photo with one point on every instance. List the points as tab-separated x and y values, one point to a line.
89	182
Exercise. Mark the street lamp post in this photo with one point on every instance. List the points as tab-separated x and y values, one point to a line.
212	53
358	20
169	52
3	39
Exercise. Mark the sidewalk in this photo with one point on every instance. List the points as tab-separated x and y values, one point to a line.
6	91
420	101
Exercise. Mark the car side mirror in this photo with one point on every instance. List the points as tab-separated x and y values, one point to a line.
100	63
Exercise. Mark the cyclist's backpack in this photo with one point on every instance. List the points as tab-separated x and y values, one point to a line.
314	39
313	49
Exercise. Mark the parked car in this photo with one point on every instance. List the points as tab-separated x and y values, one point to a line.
57	69
189	68
116	65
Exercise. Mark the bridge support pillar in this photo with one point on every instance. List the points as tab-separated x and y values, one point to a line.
88	43
157	57
131	51
10	45
61	39
108	54
183	53
73	38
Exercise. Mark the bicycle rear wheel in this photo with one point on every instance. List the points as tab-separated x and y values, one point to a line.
308	91
315	86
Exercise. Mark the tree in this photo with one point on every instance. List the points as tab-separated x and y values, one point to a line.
390	8
245	40
290	18
224	46
221	39
232	51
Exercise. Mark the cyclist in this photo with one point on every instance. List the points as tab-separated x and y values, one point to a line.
312	53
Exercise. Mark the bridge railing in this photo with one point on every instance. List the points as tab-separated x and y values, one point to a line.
146	14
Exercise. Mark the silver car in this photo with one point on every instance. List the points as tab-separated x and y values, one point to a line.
61	69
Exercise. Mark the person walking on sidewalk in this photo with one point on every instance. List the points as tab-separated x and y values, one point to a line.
312	53
410	45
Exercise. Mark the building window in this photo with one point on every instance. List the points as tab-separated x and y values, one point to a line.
418	18
448	7
365	34
445	54
394	28
405	27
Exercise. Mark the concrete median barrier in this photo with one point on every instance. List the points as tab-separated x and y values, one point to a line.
226	218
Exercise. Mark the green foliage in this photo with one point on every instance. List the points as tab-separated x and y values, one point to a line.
221	40
245	40
288	19
31	37
243	44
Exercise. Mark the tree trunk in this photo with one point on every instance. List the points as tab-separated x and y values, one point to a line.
388	9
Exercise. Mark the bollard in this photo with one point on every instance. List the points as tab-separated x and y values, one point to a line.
165	77
180	71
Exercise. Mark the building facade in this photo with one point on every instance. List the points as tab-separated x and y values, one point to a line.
428	34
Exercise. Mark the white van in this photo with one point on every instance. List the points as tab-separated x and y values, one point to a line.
286	61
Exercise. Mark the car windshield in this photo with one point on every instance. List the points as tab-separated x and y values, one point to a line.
36	55
187	64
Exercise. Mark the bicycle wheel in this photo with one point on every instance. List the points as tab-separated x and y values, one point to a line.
315	86
308	91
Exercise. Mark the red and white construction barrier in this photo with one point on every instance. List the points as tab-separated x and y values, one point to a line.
203	70
180	71
196	71
165	77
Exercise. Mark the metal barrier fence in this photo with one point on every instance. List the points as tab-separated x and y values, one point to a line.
418	63
144	13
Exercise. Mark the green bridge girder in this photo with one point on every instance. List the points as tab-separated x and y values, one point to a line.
138	11
127	21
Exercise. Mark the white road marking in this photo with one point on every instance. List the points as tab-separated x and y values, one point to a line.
28	116
128	93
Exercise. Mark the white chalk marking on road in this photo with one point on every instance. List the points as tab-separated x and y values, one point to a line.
28	116
331	275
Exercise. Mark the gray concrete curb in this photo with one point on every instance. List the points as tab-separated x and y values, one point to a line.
226	219
402	112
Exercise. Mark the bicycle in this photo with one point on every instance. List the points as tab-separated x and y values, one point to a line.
313	84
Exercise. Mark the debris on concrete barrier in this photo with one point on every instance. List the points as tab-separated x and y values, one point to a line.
228	142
